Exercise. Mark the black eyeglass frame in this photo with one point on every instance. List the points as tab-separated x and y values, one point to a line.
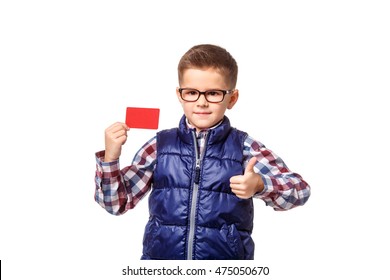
204	93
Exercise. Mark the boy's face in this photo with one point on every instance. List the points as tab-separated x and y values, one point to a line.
201	113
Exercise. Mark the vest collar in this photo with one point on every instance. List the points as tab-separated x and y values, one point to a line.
216	134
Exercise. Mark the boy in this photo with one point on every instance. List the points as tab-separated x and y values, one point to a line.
202	175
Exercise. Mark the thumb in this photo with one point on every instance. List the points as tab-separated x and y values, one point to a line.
251	165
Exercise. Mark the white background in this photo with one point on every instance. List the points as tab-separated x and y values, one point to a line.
313	76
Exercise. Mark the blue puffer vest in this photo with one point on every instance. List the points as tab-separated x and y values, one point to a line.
193	212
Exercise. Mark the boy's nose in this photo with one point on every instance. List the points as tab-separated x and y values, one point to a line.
202	101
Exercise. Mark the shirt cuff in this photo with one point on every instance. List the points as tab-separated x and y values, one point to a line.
268	188
106	169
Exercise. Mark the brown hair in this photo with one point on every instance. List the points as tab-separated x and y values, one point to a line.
210	56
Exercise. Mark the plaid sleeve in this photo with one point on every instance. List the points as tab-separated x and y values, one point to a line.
120	190
283	189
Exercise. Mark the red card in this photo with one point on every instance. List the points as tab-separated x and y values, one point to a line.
142	117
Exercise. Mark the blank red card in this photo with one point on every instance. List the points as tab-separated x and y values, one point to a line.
142	117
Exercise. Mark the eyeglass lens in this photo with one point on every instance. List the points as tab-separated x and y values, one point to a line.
192	95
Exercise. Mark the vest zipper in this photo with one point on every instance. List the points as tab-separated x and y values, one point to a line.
194	200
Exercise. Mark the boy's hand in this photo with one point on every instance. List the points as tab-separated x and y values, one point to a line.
115	137
245	186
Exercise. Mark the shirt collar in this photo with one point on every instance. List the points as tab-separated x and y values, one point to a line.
203	131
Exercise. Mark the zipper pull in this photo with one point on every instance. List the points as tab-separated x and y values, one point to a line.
197	172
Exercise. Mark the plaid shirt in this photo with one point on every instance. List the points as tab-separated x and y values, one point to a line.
120	190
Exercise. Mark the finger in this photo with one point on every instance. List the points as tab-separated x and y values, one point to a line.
122	139
241	194
235	191
117	126
113	125
251	164
116	131
236	179
237	187
119	133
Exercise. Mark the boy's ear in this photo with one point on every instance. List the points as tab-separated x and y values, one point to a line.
233	99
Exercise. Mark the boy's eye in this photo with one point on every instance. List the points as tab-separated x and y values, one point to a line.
214	93
191	92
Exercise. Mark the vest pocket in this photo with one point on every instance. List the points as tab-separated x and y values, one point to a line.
222	243
234	241
149	235
164	242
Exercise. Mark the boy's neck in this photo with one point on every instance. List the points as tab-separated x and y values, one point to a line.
197	130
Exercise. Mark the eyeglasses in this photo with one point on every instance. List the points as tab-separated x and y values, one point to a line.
212	96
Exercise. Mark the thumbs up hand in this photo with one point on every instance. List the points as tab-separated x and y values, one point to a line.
245	186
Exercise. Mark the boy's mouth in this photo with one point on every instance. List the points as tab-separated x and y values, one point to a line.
202	113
